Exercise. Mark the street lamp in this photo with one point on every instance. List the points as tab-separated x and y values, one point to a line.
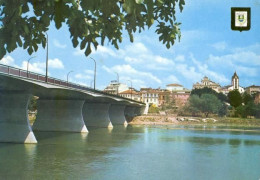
68	77
28	64
46	80
94	72
117	82
131	87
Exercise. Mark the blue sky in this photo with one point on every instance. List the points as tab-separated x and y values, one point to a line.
208	47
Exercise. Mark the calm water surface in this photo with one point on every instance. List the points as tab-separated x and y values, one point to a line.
161	152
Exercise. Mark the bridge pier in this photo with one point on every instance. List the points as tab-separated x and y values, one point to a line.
60	115
139	110
14	122
95	114
130	113
117	114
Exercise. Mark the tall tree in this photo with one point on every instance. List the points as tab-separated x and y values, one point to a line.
235	98
23	23
206	104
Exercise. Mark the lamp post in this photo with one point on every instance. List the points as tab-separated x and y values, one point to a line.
68	77
94	72
28	64
117	82
47	53
131	87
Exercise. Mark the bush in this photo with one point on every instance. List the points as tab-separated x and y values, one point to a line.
153	109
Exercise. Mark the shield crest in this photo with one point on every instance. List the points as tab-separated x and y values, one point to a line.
241	18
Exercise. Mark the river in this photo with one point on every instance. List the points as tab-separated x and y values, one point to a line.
136	152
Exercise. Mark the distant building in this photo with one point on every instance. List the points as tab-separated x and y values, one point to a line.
252	89
149	95
234	85
257	98
164	97
181	98
115	87
130	94
206	82
174	87
176	93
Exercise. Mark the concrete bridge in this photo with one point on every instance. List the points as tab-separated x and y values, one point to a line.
61	106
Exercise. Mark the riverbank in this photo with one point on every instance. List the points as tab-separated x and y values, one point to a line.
175	120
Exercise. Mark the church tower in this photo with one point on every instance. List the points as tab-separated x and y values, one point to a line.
235	81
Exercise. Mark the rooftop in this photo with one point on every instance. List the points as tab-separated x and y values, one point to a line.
178	85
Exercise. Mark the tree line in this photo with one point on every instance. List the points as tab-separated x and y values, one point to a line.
205	102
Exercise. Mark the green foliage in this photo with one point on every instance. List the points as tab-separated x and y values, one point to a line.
247	98
32	106
222	110
169	103
207	90
153	109
206	104
25	22
250	109
235	98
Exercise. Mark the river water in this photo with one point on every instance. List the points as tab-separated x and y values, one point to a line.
136	152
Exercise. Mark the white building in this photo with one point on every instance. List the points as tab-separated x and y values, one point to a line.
150	96
206	82
234	85
115	87
174	87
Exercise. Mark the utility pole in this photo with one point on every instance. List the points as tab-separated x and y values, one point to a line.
47	53
94	72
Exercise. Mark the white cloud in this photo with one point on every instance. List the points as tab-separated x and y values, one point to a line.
180	58
83	76
91	72
188	72
8	60
36	67
246	63
203	68
79	52
132	60
220	46
172	79
127	70
58	44
55	63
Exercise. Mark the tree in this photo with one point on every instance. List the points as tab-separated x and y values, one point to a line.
204	90
32	105
210	104
206	104
235	98
247	98
25	22
207	90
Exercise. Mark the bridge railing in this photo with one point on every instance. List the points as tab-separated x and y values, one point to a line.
41	78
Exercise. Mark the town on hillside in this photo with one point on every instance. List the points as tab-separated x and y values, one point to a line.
177	93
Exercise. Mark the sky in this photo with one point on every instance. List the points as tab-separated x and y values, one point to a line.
208	47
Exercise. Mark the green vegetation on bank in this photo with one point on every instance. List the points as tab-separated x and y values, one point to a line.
206	102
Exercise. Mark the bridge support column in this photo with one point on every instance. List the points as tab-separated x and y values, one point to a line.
60	115
130	113
117	114
139	110
14	123
96	114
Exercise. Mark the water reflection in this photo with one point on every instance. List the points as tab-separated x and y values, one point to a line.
134	152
